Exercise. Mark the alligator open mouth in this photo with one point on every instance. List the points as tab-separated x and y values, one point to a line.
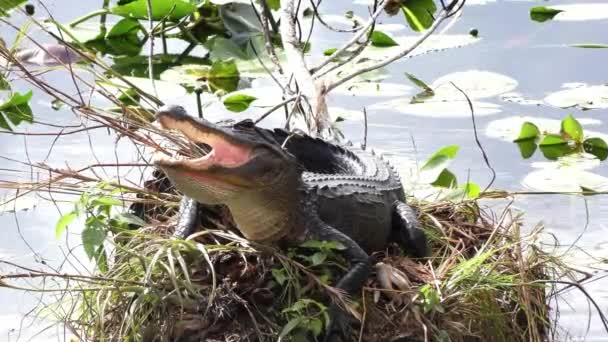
224	150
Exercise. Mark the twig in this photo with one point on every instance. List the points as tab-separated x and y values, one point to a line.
271	110
477	141
354	39
442	16
365	128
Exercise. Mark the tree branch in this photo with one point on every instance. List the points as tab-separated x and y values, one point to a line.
442	16
297	67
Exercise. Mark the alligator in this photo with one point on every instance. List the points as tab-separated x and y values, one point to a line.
284	188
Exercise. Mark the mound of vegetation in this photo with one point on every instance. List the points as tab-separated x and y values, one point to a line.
482	282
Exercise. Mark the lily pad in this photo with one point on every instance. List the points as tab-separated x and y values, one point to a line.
453	109
553	176
248	63
49	55
581	12
584	97
508	129
222	75
433	43
477	84
373	89
11	203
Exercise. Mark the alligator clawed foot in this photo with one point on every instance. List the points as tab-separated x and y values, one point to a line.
339	328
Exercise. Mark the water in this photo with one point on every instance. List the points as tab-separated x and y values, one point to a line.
534	54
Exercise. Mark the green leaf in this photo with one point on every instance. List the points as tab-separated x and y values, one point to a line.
471	189
274	4
128	218
16	110
329	51
381	39
4	85
63	223
553	152
597	147
552	139
418	82
323	245
572	128
434	166
138	9
446	179
542	13
239	102
106	201
127	26
318	258
315	325
528	131
590	46
291	325
92	238
223	75
419	13
8	5
527	148
279	275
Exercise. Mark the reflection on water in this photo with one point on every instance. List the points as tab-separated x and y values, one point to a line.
535	55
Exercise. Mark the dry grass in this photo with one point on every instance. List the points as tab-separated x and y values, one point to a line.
481	283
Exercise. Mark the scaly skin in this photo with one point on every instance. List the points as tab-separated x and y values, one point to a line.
292	188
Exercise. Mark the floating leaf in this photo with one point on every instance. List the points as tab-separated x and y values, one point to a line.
597	147
508	129
419	13
585	97
452	109
552	177
16	110
555	151
476	84
552	139
528	131
138	9
527	148
434	43
381	39
419	83
581	12
572	128
238	102
590	46
542	13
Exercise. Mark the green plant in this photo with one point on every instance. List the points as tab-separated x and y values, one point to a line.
570	139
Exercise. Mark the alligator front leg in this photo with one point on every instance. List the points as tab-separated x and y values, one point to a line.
407	231
351	282
187	221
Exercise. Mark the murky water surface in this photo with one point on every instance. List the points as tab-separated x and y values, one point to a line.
536	55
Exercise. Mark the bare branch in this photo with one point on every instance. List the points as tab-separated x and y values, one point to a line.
297	67
354	39
442	16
